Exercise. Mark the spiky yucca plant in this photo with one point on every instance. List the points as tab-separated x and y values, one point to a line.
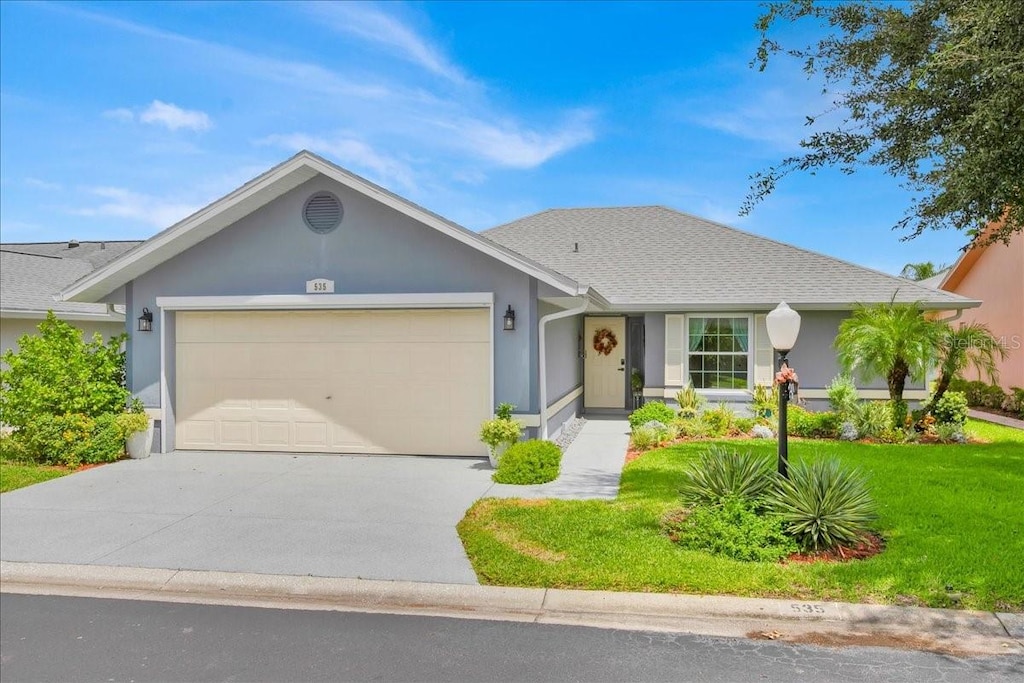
720	473
823	505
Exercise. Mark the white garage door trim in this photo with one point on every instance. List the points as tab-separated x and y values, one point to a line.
306	302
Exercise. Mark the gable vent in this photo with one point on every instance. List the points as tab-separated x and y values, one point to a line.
322	212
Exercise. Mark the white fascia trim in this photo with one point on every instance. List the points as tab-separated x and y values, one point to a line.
704	308
325	301
61	315
149	248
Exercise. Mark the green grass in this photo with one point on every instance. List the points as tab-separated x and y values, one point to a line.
952	517
18	475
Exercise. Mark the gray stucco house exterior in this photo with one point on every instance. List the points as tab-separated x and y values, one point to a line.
313	311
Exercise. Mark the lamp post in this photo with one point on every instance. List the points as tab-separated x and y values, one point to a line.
783	327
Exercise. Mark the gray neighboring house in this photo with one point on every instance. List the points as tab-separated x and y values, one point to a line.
313	311
32	274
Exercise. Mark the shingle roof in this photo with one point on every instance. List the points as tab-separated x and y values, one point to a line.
31	273
652	256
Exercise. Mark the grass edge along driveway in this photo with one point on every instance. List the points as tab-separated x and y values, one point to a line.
952	517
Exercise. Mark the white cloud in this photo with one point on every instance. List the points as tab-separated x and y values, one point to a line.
158	113
349	151
42	184
123	203
776	116
174	117
121	114
372	25
510	144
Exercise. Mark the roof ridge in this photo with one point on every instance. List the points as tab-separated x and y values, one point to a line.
25	253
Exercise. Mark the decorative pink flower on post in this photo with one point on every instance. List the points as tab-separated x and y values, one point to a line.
786	374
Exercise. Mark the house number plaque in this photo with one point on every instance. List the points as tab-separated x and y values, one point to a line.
320	285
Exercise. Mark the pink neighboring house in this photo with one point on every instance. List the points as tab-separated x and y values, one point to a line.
994	275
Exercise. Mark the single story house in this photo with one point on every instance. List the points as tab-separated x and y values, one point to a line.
994	274
32	274
313	311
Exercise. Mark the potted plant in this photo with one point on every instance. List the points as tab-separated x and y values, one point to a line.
636	383
137	429
500	432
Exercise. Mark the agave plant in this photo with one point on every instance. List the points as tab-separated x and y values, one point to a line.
823	504
720	473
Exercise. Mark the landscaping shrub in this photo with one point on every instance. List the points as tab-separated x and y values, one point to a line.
804	423
762	432
655	410
1015	402
765	401
892	435
873	417
71	440
848	431
690	402
720	473
732	529
719	420
979	394
57	372
951	409
501	430
842	396
529	462
823	504
743	424
650	435
693	428
950	432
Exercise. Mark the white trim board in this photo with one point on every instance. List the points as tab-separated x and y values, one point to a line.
565	400
325	301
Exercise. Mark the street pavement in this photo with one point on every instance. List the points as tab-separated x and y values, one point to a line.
56	638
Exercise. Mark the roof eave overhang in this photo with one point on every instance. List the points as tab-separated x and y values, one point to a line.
701	307
261	191
39	314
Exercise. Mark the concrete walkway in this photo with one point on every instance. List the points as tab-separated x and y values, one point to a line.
997	419
591	466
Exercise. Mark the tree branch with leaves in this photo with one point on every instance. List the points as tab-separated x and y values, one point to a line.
930	91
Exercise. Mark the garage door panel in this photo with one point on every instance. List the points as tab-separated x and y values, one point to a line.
322	381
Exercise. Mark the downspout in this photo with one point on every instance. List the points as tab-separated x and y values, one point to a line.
542	358
956	316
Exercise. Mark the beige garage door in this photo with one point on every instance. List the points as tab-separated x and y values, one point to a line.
383	381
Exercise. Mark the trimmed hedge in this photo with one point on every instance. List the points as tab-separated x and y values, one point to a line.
529	462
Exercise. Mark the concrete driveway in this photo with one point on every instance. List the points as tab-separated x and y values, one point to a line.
375	517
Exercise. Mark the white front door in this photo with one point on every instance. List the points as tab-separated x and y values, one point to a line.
604	364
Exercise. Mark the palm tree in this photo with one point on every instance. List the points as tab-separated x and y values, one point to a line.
968	345
920	271
890	340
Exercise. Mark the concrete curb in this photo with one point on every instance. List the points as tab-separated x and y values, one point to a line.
959	632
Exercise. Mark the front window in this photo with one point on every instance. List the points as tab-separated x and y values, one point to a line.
719	352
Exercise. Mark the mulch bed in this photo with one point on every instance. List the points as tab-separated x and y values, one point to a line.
872	545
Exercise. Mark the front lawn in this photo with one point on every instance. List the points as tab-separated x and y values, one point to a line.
952	517
18	475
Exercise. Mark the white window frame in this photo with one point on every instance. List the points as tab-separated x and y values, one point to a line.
751	349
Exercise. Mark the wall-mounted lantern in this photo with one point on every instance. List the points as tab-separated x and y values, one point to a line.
510	319
146	321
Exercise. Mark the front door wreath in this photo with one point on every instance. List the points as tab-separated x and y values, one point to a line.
605	341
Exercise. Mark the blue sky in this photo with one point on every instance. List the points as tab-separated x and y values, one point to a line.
117	119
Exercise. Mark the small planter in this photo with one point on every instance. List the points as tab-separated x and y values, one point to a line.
494	453
140	443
